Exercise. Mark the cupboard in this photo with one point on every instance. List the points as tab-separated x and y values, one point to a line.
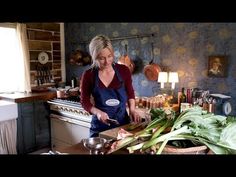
33	126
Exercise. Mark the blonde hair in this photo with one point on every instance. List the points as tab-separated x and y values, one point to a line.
98	43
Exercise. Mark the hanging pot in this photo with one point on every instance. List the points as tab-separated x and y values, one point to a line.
86	58
80	58
152	70
125	60
76	58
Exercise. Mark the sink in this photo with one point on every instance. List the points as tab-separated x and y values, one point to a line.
8	110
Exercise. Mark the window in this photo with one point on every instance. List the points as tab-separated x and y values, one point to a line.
12	69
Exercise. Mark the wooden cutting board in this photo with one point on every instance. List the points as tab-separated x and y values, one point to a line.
112	133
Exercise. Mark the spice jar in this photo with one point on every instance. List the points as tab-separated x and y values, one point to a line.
136	102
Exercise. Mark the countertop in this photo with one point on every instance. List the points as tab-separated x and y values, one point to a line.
79	149
112	134
74	149
27	97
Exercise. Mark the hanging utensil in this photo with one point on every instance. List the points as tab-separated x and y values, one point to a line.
152	70
125	60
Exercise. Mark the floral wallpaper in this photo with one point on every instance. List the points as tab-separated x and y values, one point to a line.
181	47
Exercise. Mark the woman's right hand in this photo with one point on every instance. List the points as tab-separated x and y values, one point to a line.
103	117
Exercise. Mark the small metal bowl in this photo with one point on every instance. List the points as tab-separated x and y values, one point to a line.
94	144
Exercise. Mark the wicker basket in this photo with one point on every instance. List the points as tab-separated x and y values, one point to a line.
191	150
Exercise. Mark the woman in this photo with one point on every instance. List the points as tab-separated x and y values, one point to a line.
110	85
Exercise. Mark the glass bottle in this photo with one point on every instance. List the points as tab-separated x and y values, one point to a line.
182	99
73	82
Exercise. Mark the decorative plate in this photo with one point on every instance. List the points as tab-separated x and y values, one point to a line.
43	57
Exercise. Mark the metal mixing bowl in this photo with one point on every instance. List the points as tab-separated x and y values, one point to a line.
94	144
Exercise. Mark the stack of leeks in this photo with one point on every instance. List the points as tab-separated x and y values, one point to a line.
217	132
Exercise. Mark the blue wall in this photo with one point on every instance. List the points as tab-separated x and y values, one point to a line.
181	47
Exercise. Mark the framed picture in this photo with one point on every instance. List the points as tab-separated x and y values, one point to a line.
217	66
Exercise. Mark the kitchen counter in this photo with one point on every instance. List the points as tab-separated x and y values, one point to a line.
75	149
27	97
79	149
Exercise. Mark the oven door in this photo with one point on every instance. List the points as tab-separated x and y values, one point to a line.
71	120
67	131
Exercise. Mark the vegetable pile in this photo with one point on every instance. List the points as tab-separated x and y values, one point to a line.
217	132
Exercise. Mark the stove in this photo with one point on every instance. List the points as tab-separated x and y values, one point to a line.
67	101
70	122
69	108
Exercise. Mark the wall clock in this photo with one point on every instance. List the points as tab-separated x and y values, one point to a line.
43	57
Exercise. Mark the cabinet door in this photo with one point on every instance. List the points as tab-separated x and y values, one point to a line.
27	129
20	140
33	126
42	124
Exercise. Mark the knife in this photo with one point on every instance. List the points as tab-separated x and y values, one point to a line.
113	121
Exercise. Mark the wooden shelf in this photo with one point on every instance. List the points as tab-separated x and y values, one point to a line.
50	51
42	30
38	40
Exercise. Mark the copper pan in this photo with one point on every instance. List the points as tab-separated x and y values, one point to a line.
62	94
151	71
125	60
65	93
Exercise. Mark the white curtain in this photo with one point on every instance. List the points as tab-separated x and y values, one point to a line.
14	58
8	134
24	80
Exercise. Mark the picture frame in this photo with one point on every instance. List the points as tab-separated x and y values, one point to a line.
217	66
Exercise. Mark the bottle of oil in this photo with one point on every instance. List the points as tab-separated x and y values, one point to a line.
182	99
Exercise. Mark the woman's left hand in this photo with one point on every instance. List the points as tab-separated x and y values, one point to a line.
135	116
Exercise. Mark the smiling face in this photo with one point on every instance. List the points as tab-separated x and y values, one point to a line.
101	50
105	59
